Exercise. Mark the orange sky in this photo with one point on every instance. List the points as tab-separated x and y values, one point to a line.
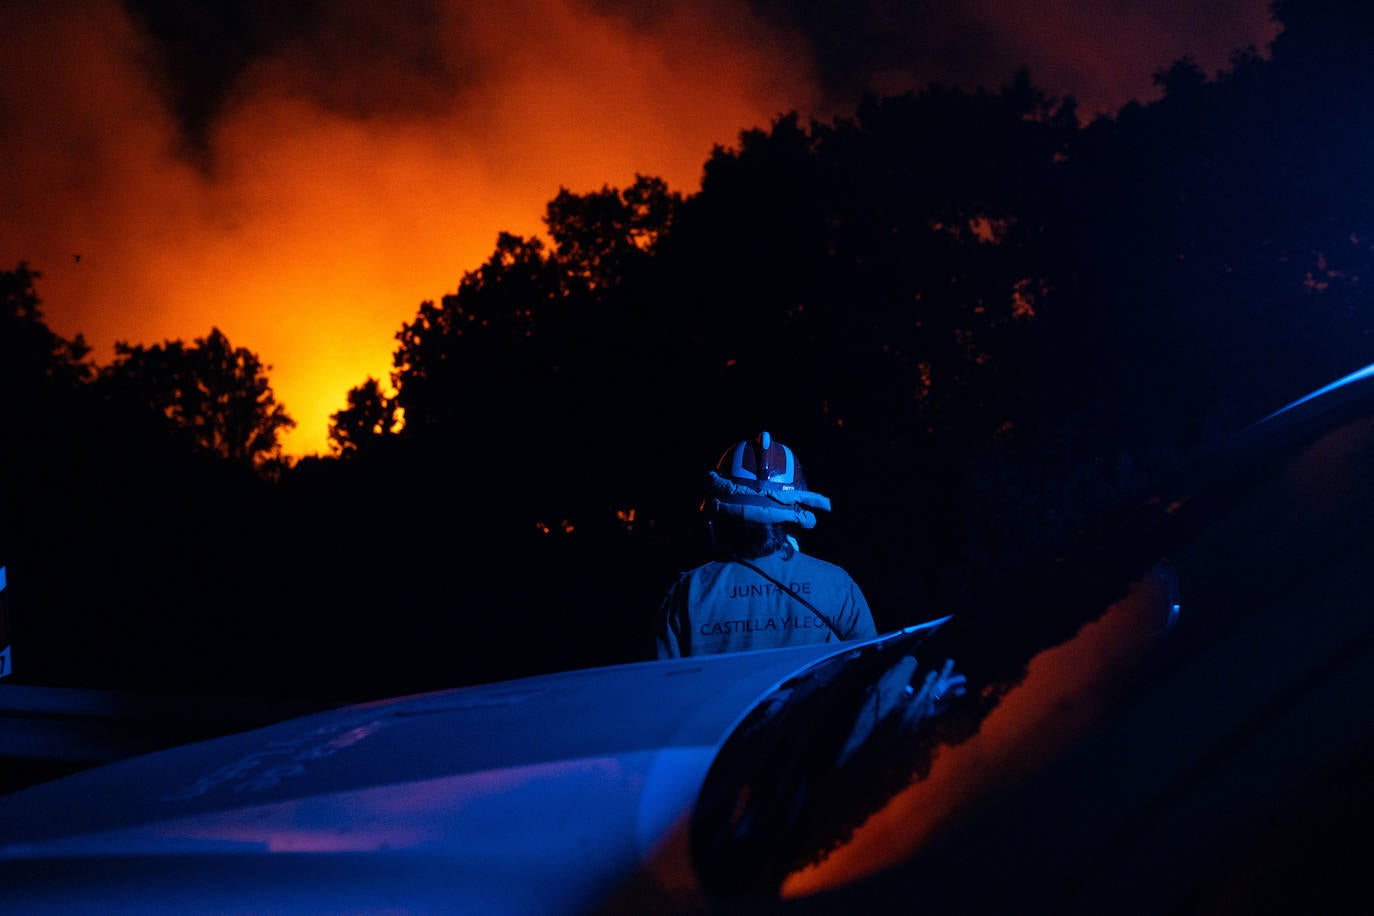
319	230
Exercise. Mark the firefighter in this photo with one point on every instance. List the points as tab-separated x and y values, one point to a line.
759	590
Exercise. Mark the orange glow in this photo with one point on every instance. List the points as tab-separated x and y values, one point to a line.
1064	690
1025	293
316	235
1100	52
340	197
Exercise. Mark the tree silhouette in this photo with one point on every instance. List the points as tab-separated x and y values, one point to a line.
42	399
459	362
981	324
31	353
605	237
370	417
216	396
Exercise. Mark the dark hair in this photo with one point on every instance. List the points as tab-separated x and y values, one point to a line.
736	538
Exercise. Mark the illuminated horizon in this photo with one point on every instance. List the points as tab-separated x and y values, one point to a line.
334	197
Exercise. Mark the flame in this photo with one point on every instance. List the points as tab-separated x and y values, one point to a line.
360	169
317	233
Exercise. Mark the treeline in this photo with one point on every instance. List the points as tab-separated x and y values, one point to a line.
981	323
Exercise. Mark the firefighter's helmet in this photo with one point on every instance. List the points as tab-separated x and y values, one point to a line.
761	480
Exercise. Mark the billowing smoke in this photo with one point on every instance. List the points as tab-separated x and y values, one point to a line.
302	176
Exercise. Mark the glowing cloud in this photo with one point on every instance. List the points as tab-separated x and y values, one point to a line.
359	163
325	218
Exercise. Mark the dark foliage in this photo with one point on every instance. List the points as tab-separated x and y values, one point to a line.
982	325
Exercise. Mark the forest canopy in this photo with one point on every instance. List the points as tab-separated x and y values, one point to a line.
981	323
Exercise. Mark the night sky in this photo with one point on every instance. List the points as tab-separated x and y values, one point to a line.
304	178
